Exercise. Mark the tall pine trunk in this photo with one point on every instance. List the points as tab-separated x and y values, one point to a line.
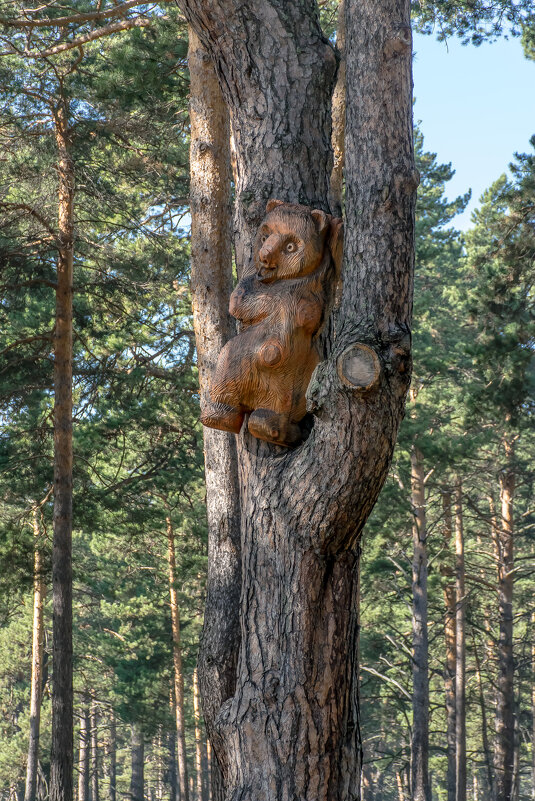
83	753
211	285
484	724
94	751
504	754
460	661
303	509
61	760
450	638
420	642
39	594
178	671
112	757
137	777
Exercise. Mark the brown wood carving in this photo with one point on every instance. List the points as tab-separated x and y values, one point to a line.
281	303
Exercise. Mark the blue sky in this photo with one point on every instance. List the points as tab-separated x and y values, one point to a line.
476	106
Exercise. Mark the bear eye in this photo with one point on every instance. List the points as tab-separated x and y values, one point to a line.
263	238
290	247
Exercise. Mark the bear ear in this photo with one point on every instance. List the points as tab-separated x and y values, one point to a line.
272	204
321	219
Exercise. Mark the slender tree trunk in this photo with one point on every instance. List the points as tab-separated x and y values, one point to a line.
420	667
137	779
484	724
61	761
460	662
83	754
303	509
211	285
198	741
401	789
209	768
449	632
339	117
113	758
39	594
177	662
504	755
94	752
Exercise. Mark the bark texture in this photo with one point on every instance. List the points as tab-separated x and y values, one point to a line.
39	594
504	753
460	648
339	117
178	671
290	731
61	760
449	633
420	642
211	285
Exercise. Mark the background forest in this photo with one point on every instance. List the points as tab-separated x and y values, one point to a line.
449	552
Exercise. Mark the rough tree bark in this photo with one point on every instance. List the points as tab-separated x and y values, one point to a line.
39	594
420	642
339	117
178	671
290	731
61	760
211	285
449	633
460	650
199	772
504	752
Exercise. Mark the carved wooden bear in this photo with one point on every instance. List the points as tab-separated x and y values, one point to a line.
280	302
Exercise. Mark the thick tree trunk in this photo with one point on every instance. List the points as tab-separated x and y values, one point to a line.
83	754
420	643
449	633
211	285
504	755
94	752
460	661
339	117
61	761
39	594
291	729
137	777
177	663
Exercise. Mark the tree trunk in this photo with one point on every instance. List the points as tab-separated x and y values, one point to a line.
211	285
209	773
83	754
177	662
303	509
137	779
449	632
460	662
533	706
94	752
61	760
39	594
504	755
113	758
484	724
339	117
201	795
420	647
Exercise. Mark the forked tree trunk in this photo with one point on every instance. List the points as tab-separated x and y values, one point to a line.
504	754
211	285
61	760
449	633
39	594
290	731
137	777
460	661
420	642
178	671
83	754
